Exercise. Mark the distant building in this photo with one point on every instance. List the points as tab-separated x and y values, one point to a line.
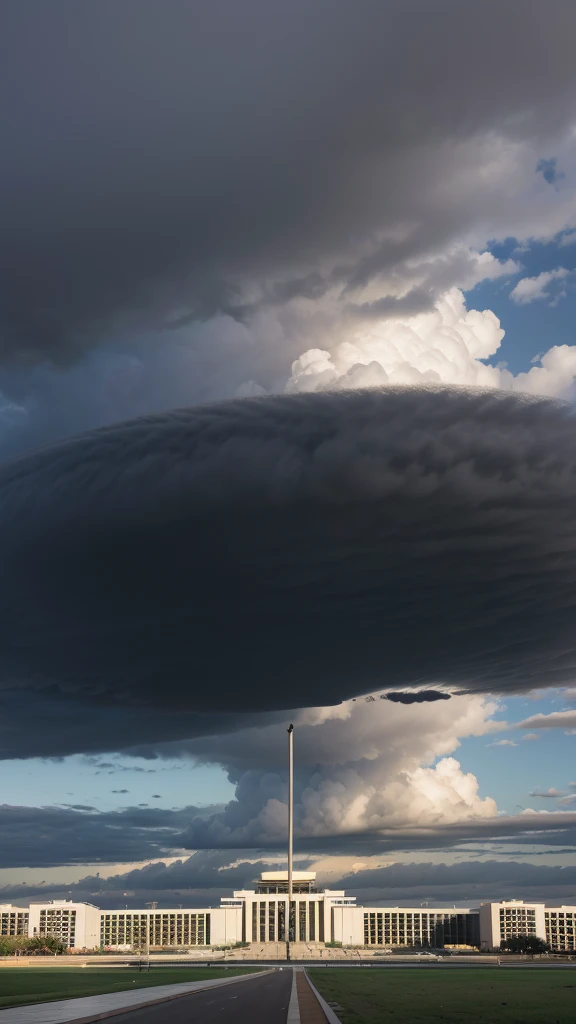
435	928
260	915
510	918
76	924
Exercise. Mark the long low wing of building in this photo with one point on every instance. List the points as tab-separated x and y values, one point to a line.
316	916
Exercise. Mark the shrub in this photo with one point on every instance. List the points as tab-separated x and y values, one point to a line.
524	944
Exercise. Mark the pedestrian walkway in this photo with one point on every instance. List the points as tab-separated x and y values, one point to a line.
92	1008
306	1004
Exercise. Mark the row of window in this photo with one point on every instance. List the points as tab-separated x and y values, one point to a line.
505	914
390	929
162	929
148	916
424	918
13	924
510	933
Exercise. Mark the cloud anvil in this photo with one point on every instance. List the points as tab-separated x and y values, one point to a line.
294	551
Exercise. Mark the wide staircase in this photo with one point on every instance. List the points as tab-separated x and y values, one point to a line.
318	951
258	951
298	951
302	951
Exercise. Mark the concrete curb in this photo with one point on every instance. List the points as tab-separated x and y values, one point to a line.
207	985
293	1006
328	1011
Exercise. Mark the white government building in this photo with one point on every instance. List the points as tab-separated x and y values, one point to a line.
318	916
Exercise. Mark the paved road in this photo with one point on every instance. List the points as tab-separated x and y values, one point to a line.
263	999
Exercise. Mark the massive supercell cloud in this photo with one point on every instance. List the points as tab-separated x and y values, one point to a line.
209	200
287	552
171	161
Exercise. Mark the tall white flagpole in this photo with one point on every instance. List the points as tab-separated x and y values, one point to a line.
290	828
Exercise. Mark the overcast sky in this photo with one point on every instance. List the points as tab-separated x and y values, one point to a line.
284	204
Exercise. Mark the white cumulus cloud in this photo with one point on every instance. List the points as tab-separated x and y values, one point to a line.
529	289
449	345
362	766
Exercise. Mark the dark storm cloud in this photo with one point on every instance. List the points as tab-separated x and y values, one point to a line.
417	697
201	879
465	880
159	156
237	826
198	881
474	874
286	552
53	726
468	881
206	869
79	834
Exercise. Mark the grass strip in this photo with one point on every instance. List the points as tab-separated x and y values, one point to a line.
485	995
20	985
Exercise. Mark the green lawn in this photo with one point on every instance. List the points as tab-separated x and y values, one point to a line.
487	995
20	985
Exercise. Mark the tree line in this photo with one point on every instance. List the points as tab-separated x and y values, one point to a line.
40	945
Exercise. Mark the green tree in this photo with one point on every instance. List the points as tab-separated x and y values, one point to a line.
524	944
10	944
45	945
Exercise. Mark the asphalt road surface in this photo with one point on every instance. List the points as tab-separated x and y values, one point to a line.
261	999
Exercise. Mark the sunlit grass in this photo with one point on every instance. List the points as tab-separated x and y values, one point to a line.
487	995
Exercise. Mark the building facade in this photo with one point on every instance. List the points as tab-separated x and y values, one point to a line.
509	919
77	925
140	929
316	916
559	925
434	928
264	910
